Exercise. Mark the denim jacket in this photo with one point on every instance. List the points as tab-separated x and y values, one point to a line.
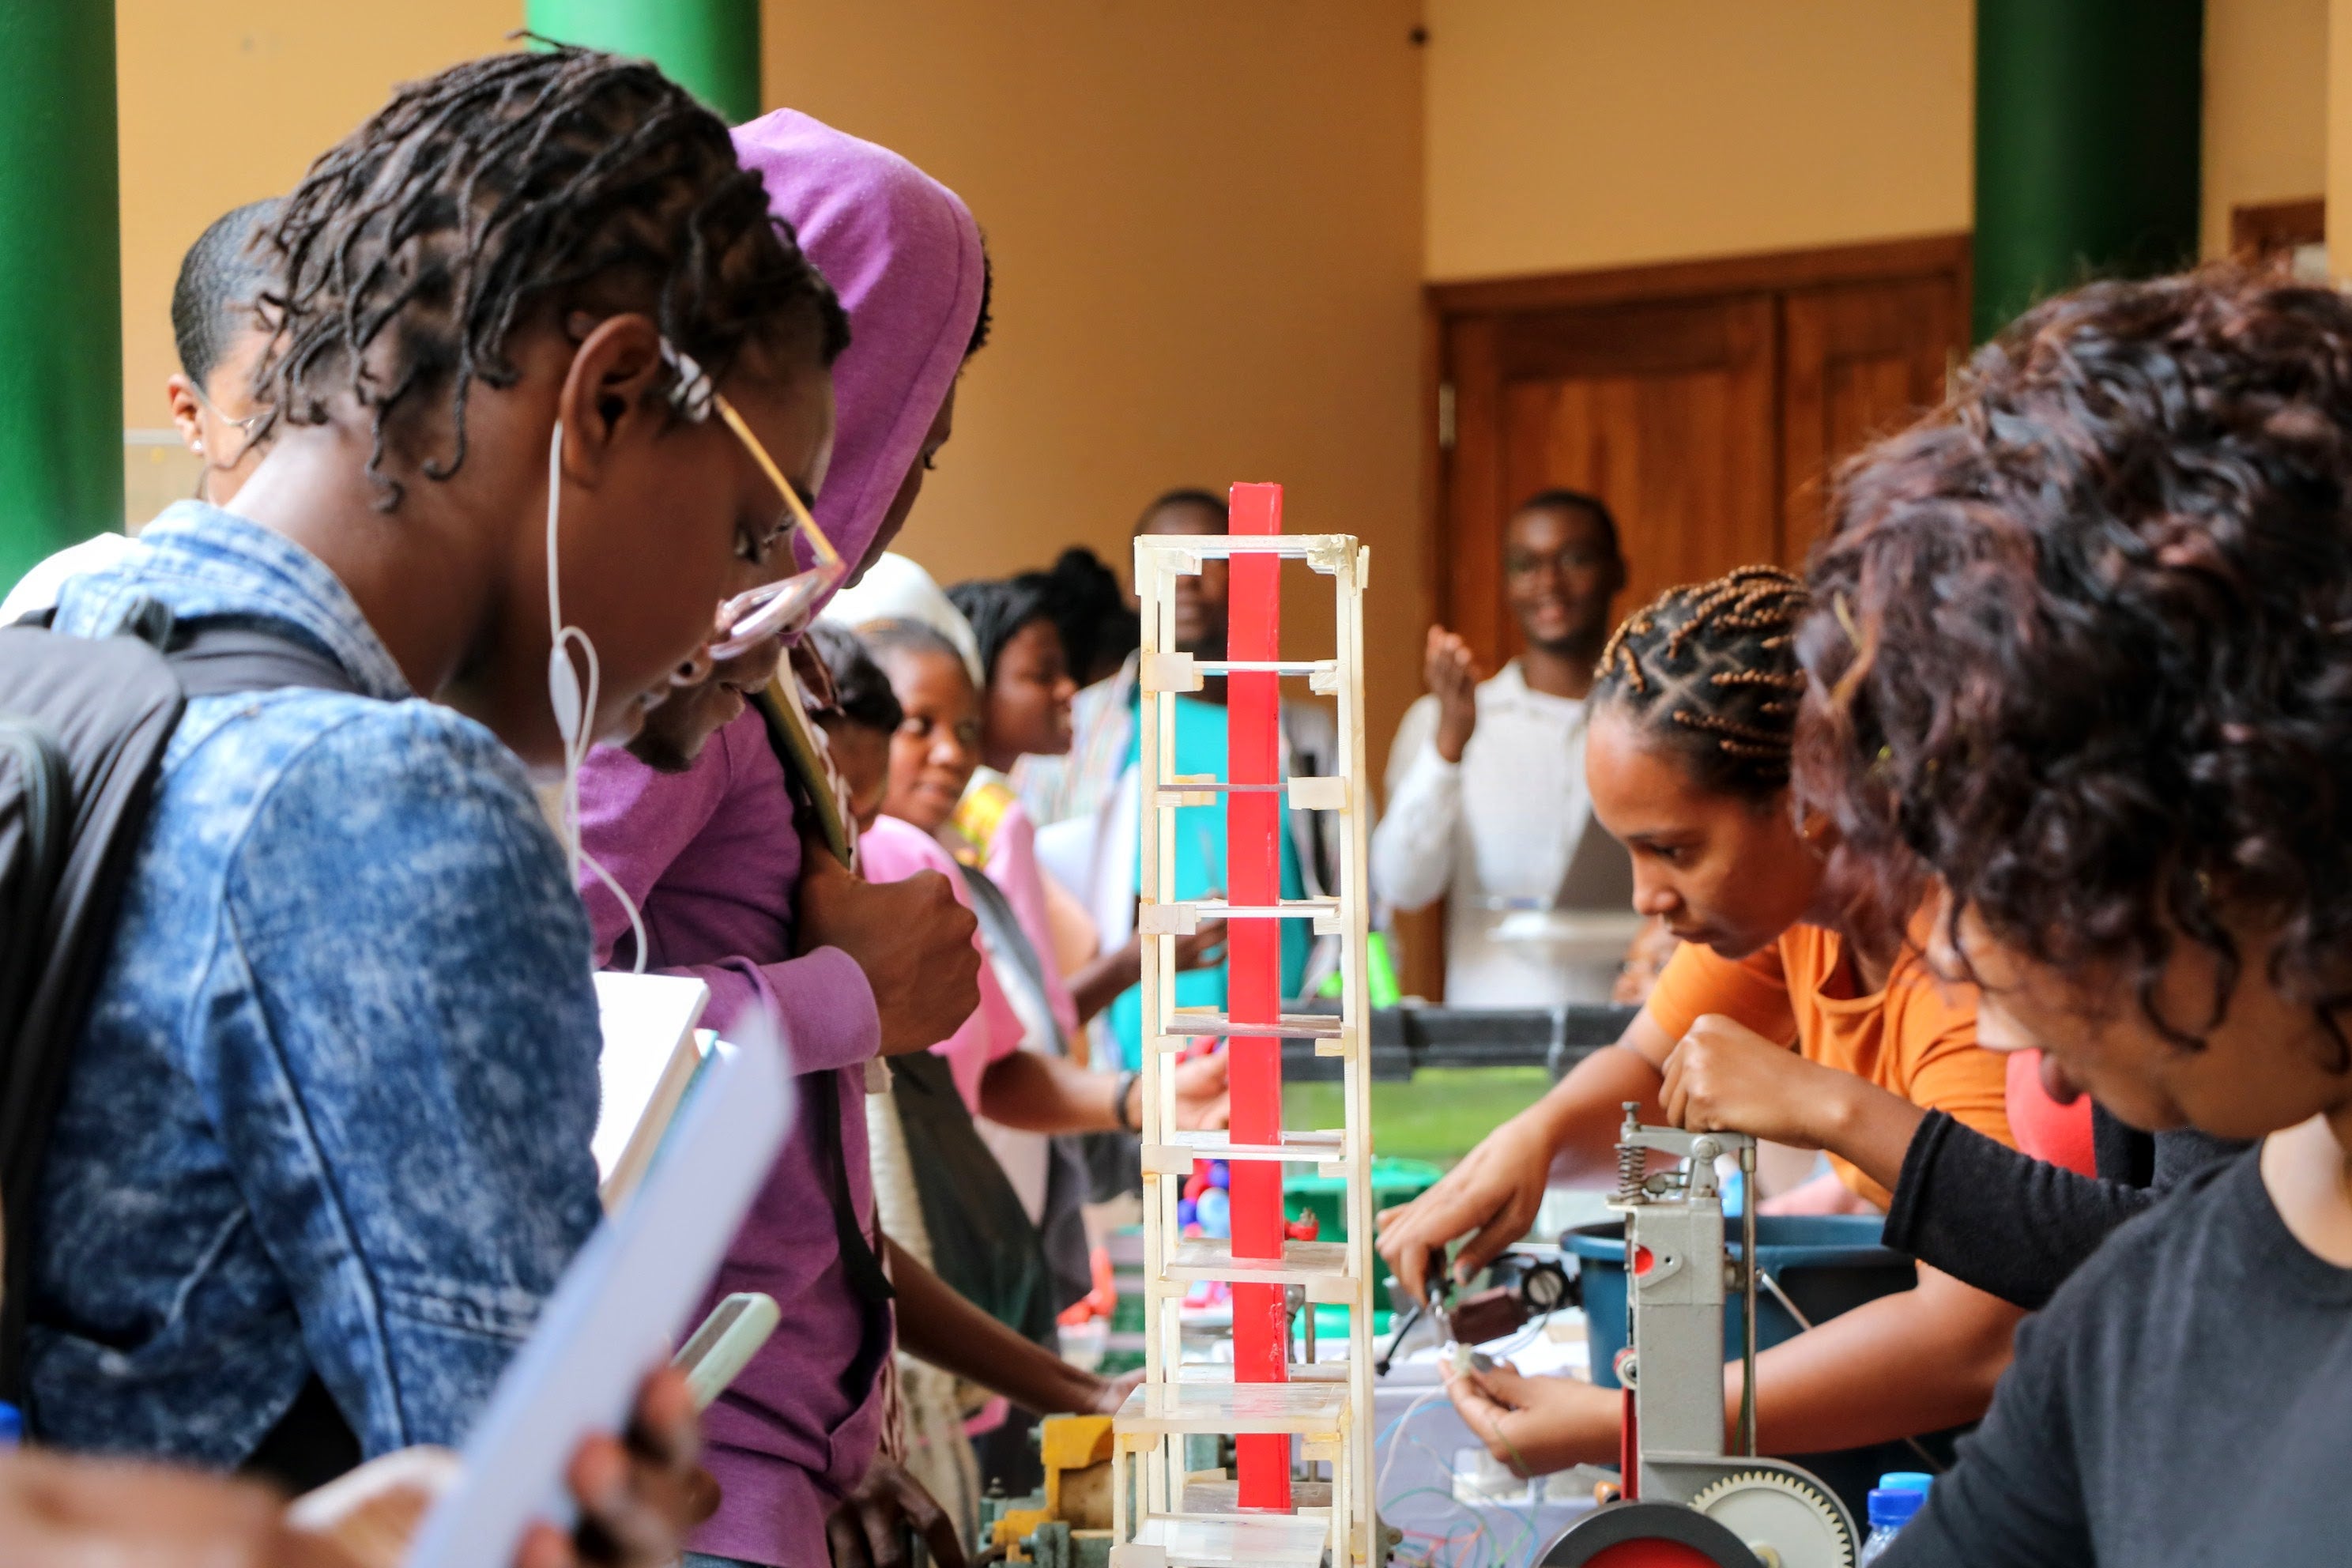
331	1108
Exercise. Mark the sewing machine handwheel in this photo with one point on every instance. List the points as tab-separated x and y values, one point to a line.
1647	1535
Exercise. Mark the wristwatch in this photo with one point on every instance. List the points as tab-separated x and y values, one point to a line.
1126	1085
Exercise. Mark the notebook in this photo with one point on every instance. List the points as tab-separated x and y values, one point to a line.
650	1054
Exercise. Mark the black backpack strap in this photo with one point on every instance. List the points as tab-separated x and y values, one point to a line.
218	658
865	1271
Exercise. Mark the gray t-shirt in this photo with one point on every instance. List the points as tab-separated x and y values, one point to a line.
2186	1399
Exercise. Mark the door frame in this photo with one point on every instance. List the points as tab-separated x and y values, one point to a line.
1935	255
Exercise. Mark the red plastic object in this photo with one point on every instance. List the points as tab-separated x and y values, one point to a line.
1651	1554
1629	1437
1253	974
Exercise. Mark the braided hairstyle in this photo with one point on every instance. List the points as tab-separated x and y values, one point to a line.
220	280
998	607
861	692
1710	671
508	191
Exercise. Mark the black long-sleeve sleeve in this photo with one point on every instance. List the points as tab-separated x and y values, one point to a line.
2017	1227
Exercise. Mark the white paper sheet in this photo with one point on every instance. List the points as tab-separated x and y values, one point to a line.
648	1058
615	1309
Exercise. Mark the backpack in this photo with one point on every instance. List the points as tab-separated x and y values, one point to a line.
83	725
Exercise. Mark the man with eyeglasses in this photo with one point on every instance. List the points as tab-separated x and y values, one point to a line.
1486	805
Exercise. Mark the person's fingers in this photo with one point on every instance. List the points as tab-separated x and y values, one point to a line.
1482	1413
618	1523
931	1522
845	1537
817	858
663	1426
1670	1088
1407	1258
1489	1242
885	1524
703	1497
544	1546
1477	1407
1504	1384
598	1475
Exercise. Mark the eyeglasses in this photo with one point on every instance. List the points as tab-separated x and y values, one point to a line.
784	606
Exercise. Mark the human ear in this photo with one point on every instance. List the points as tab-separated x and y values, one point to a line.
605	400
187	413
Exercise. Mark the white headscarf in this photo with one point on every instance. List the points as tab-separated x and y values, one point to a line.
895	589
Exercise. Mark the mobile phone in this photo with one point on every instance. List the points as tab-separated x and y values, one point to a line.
725	1343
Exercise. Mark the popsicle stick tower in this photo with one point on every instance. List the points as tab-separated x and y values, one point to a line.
1276	1410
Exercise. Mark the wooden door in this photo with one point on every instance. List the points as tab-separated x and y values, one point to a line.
1858	360
1703	401
1665	410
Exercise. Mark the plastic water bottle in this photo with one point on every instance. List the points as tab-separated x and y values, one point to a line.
12	1425
1890	1508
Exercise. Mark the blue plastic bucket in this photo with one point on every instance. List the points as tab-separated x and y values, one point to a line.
1828	1264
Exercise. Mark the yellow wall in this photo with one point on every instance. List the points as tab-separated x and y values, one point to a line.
1565	134
226	103
1210	220
1205	220
2265	106
1206	223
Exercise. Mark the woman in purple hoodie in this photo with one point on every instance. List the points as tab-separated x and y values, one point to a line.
697	824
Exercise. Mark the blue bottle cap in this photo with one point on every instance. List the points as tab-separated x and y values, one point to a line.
12	1425
1893	1509
1906	1481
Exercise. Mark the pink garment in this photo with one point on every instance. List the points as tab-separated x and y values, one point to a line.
891	851
1013	866
711	856
905	256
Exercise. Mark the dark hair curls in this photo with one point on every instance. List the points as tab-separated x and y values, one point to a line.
2082	642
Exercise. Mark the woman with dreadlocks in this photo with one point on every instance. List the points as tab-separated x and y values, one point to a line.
322	1152
1688	763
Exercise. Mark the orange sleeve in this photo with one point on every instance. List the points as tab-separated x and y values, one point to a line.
1754	991
1938	1063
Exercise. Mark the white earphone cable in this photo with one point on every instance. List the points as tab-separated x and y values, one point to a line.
575	708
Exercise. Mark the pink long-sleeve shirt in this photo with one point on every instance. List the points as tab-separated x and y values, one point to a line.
711	858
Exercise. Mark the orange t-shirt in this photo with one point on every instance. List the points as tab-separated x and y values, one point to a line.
1917	1037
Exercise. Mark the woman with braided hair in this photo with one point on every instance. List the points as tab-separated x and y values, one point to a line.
1696	700
541	360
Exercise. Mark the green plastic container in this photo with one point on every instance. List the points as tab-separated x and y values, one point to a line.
1394	1182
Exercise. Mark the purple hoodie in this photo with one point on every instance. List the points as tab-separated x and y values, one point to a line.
711	857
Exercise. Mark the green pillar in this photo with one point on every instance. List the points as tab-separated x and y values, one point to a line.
61	280
711	48
2089	121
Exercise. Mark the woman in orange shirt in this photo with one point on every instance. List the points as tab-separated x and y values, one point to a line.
1687	760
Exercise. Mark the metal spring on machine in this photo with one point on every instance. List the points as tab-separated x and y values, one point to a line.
1630	1170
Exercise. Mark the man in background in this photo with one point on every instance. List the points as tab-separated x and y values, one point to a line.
1486	803
219	328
